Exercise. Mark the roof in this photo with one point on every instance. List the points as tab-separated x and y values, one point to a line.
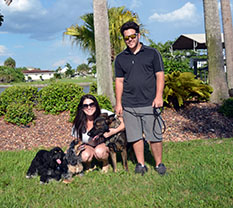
36	71
191	42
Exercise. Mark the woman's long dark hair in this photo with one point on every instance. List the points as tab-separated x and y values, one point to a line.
80	120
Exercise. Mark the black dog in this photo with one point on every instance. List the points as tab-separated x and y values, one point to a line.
116	143
48	165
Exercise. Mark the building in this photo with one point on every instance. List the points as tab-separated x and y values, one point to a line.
36	74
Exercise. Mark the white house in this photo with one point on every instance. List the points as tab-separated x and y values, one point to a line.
37	74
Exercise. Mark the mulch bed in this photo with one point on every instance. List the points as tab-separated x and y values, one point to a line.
194	121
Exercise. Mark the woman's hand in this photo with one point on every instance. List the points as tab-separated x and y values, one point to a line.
111	132
82	147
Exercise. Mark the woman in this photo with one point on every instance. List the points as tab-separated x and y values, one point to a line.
88	110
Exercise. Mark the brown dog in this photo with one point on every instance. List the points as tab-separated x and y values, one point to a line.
116	143
74	160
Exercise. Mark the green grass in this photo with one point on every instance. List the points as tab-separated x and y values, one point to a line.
200	174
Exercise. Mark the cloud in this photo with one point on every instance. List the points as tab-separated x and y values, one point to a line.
187	14
42	23
60	63
135	4
73	60
4	51
22	6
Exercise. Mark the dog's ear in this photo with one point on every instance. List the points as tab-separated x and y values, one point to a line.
104	115
74	142
111	118
56	150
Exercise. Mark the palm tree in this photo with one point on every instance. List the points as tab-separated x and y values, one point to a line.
103	50
8	2
1	19
117	17
217	76
228	39
84	35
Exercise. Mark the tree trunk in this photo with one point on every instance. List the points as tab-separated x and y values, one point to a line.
228	39
217	76
103	50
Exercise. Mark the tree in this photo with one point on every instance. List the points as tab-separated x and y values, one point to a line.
59	69
1	19
9	74
8	2
69	71
57	75
217	76
91	61
228	39
117	17
84	35
103	50
83	68
10	62
176	60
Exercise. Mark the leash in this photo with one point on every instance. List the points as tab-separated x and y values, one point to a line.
157	118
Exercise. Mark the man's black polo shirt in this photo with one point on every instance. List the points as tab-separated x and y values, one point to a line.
138	71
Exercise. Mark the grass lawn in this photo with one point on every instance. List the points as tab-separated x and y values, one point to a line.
73	80
200	174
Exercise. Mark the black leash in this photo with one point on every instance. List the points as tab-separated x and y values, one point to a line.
157	118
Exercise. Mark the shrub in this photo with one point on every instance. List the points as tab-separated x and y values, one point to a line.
74	106
181	87
8	74
10	62
227	108
174	64
93	88
104	102
57	97
17	94
18	113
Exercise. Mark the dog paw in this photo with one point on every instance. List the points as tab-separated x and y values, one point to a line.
81	174
30	176
67	181
91	169
105	169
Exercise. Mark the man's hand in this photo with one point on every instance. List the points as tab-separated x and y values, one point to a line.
157	102
119	110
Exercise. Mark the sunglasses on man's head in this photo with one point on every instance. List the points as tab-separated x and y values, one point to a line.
91	105
130	36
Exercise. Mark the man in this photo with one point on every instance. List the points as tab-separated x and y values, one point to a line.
139	90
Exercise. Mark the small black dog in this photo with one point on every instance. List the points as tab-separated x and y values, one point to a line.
116	143
48	165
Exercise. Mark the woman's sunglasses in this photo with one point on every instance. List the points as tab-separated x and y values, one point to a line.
91	105
130	36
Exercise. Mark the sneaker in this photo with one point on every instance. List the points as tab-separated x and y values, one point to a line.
161	169
141	169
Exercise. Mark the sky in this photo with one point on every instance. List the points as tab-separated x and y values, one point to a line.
32	31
